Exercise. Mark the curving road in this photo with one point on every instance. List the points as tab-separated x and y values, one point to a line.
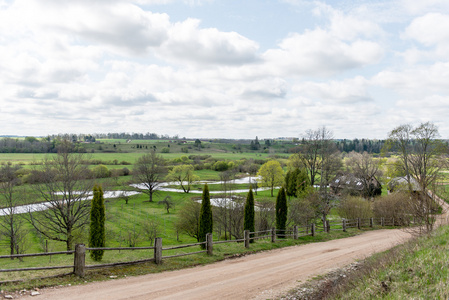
259	276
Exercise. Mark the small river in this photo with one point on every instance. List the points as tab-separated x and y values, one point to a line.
115	194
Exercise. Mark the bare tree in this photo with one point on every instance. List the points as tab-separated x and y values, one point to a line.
168	203
149	171
422	157
301	211
366	169
64	188
11	225
329	166
151	229
236	216
188	219
309	154
266	215
132	236
221	212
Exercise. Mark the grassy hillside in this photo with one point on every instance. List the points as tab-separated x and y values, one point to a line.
418	269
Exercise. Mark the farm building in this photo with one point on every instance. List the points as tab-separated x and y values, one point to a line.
400	184
354	185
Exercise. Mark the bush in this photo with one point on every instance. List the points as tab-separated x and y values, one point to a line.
395	205
221	166
101	171
355	207
126	171
165	150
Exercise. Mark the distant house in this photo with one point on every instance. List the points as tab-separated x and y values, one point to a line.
401	184
354	185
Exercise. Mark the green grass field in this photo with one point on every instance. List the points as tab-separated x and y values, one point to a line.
415	270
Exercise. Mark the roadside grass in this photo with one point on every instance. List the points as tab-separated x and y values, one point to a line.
418	269
221	252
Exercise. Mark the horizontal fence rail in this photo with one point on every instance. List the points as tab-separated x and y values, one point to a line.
79	253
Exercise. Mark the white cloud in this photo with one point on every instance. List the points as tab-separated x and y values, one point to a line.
346	92
410	82
417	7
190	44
430	30
319	53
348	26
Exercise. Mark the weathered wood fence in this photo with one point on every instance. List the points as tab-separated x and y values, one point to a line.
79	265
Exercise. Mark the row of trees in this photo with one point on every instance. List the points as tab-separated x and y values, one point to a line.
199	221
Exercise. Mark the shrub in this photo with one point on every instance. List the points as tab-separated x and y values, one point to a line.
221	166
101	171
355	207
395	205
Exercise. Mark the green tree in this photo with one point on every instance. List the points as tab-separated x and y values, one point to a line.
249	223
281	212
206	220
198	144
296	182
183	174
271	175
97	217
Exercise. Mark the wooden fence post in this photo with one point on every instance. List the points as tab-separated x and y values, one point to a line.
158	251
328	226
209	243
312	229
382	222
359	223
324	225
344	225
246	233
371	222
273	235
295	232
79	260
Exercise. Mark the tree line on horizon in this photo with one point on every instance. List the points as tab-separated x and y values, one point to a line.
50	143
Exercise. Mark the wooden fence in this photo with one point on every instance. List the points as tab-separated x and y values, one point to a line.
79	266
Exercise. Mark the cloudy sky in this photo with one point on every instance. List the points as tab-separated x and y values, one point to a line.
223	68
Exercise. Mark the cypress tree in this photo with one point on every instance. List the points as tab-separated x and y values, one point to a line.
281	212
96	232
248	223
205	225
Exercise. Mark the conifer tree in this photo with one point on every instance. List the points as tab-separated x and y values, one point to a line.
97	217
248	223
205	221
281	212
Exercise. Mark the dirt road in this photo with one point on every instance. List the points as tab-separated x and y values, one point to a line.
258	276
